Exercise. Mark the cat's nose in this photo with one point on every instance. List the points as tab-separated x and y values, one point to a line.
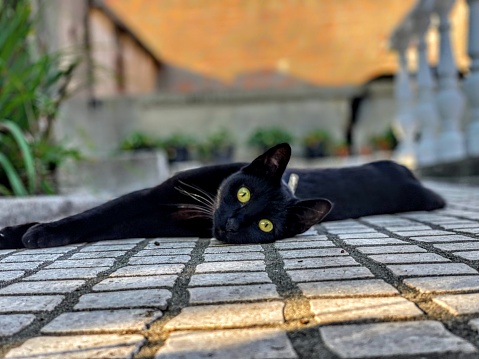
232	225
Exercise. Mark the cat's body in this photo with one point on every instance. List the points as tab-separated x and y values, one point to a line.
237	203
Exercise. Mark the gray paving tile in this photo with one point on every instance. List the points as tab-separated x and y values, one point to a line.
67	273
170	245
347	288
139	298
314	252
459	303
163	252
373	241
13	266
13	323
312	275
120	283
79	346
100	247
43	287
10	275
234	266
82	263
19	257
93	255
231	344
443	284
457	246
236	293
368	235
99	321
441	239
304	244
432	232
230	278
27	303
336	310
227	316
471	255
406	248
410	270
234	249
148	270
234	256
159	259
389	339
321	262
393	258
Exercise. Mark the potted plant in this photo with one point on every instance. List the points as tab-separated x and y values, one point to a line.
264	138
178	147
217	148
138	141
385	141
317	144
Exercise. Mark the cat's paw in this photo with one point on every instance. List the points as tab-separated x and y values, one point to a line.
45	235
11	237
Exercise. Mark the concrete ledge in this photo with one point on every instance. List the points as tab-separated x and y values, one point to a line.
43	208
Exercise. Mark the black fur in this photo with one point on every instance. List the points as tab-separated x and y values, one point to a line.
203	202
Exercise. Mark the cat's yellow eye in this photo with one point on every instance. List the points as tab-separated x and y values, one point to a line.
265	225
243	195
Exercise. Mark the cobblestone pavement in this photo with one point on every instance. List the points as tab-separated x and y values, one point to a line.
396	286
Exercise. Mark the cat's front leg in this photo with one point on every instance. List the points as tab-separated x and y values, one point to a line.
45	235
11	237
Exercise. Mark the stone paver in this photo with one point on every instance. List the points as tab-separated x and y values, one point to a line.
13	323
141	298
443	284
311	275
79	347
335	310
228	316
388	339
231	344
207	295
347	288
211	279
26	303
459	303
397	285
148	270
100	321
119	283
44	287
409	270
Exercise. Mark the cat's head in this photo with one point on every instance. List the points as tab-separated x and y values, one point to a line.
254	205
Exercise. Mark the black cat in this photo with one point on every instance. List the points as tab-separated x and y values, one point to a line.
237	203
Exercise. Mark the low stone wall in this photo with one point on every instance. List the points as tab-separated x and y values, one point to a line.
43	208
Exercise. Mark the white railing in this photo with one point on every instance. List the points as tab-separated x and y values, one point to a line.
435	110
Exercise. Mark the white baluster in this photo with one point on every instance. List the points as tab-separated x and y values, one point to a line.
426	111
450	100
471	84
405	125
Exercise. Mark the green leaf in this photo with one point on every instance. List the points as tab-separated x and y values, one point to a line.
13	177
25	150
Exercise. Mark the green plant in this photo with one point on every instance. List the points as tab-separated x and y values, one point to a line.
32	87
315	137
217	147
264	137
385	141
139	141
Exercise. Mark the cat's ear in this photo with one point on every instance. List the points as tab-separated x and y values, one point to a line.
272	163
306	213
